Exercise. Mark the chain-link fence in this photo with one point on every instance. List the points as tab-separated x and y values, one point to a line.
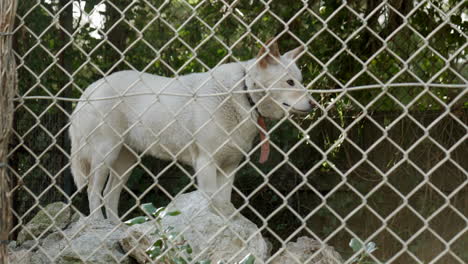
360	126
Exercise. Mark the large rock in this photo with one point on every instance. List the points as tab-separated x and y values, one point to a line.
90	242
209	234
53	217
20	256
84	242
27	253
301	251
28	257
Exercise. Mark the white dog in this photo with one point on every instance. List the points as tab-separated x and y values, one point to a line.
180	119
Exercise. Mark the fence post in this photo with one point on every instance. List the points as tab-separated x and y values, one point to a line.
8	86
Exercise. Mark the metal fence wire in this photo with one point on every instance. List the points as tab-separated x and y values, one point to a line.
360	129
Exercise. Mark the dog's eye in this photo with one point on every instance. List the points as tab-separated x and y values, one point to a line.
290	82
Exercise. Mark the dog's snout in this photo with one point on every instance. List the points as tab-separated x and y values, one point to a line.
311	102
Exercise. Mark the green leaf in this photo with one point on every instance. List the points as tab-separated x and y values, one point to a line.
456	19
355	244
189	249
174	213
158	243
172	235
371	247
249	259
180	260
149	208
204	262
153	252
322	10
137	220
160	212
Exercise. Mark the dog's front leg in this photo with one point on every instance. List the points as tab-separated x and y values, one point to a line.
206	174
225	183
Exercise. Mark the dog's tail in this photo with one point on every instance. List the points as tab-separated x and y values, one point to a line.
80	169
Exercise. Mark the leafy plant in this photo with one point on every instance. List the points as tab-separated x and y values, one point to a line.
170	247
365	250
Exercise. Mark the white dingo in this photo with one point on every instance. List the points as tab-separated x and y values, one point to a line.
180	119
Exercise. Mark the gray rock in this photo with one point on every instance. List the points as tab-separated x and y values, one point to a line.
139	239
26	256
209	234
19	256
39	258
301	251
12	244
53	217
87	241
29	244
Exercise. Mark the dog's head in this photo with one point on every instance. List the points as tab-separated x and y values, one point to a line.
281	79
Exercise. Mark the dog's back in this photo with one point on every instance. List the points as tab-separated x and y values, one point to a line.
125	107
152	115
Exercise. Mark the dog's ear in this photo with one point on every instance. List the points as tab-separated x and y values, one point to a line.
273	54
292	54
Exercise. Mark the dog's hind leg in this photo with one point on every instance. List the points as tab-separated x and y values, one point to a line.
95	189
100	168
121	171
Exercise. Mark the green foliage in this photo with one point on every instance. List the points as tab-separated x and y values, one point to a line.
170	247
364	251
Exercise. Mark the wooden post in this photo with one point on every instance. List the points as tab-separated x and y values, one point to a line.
8	85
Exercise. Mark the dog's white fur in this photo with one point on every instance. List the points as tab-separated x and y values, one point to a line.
208	133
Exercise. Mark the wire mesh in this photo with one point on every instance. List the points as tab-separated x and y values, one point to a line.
380	158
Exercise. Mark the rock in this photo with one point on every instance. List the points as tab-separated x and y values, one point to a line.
19	256
86	241
12	244
205	231
90	242
269	246
138	240
302	250
26	256
28	244
53	216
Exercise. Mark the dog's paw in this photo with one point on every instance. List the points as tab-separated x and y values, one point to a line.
225	209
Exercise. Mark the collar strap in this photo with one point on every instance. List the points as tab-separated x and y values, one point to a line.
249	98
265	148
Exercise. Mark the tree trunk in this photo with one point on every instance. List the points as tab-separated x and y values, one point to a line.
65	60
7	92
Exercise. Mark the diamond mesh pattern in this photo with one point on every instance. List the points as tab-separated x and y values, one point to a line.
381	158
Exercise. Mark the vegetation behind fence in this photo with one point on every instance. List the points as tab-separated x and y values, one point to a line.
413	136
